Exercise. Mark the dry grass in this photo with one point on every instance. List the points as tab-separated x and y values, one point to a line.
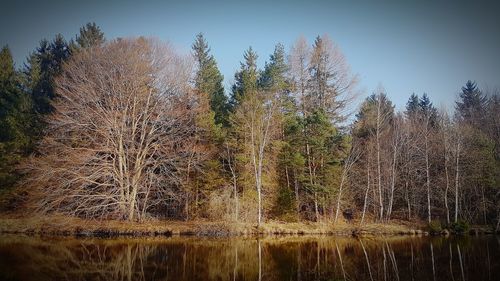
71	226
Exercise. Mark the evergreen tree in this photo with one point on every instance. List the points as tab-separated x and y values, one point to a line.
274	75
365	124
479	172
319	75
331	85
15	119
209	79
322	146
43	66
204	179
427	110
246	80
471	104
90	35
290	162
412	105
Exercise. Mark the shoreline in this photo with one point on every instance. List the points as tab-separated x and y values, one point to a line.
76	227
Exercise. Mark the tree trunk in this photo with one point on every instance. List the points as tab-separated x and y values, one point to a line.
484	205
259	195
446	190
447	177
393	181
235	186
296	186
339	197
498	224
236	202
407	195
367	190
427	173
381	205
316	211
186	207
457	159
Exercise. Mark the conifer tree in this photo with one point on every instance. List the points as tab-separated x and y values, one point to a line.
90	35
274	75
412	105
203	179
43	66
246	79
331	84
15	119
471	104
209	80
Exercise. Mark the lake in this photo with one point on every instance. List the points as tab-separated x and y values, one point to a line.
269	258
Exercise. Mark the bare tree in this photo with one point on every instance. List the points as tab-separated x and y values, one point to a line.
367	190
445	139
426	135
382	119
397	140
458	148
298	61
256	123
234	178
121	133
349	162
332	86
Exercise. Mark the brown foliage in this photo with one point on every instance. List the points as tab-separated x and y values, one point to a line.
118	141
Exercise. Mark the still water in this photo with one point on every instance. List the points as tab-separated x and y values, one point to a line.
289	258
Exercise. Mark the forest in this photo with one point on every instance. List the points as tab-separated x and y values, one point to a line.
132	129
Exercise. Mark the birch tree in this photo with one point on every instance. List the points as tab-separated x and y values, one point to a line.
254	121
353	156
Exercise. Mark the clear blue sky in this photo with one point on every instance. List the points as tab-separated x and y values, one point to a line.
420	46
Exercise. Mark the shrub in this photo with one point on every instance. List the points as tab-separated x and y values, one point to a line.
435	226
460	226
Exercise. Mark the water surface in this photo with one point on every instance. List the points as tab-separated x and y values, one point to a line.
288	258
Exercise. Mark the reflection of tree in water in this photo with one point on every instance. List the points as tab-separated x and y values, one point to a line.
250	259
77	260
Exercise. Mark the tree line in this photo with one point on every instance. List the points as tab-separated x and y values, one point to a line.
131	129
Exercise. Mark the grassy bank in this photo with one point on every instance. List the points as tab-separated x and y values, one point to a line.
70	226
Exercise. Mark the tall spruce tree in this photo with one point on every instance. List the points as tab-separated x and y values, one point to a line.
412	105
209	79
43	66
290	162
246	79
274	75
427	110
471	104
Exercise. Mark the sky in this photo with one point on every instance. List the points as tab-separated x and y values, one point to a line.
405	46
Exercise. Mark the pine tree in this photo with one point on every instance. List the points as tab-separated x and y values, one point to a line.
90	35
15	119
274	75
331	84
9	95
322	141
427	110
273	79
365	124
209	80
246	80
203	179
471	104
43	66
478	157
412	105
